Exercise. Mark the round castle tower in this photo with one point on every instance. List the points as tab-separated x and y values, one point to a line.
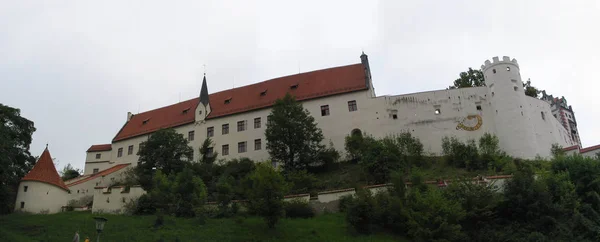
507	97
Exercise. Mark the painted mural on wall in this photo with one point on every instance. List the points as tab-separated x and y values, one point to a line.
470	123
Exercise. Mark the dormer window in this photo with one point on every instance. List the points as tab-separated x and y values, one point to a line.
263	93
145	121
228	100
186	110
294	86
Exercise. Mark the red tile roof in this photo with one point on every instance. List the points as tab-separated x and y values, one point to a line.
102	147
588	149
99	174
310	85
574	147
44	171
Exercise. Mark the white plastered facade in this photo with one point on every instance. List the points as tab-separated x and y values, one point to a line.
500	108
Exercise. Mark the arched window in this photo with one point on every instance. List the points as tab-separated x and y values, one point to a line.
356	132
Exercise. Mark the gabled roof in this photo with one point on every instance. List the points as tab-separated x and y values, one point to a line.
102	147
574	147
99	174
44	171
308	85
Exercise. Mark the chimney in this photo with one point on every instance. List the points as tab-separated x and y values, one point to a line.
364	59
129	115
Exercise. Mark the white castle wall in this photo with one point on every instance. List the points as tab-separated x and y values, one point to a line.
87	188
504	111
40	197
513	126
114	199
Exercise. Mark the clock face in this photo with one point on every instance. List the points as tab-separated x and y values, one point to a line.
470	123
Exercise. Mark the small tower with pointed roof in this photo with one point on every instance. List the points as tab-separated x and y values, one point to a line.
203	109
42	189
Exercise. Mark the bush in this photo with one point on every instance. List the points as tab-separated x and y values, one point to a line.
144	205
460	154
345	202
266	193
360	213
301	181
298	209
431	217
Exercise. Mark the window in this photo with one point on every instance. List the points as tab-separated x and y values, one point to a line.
145	121
352	106
395	116
294	86
241	125
25	188
257	144
508	68
130	150
120	152
191	135
225	129
263	93
209	151
98	156
478	107
225	149
494	71
437	111
543	116
228	101
22	204
141	146
210	131
95	171
325	110
257	123
513	80
242	147
516	88
186	110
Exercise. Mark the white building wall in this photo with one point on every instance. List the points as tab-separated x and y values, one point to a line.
87	188
102	163
417	115
513	126
547	129
40	197
113	200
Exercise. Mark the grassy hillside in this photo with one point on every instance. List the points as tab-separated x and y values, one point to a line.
62	226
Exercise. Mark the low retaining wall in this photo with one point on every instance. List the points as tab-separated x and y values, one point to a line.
113	200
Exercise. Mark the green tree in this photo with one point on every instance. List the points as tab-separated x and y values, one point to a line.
293	138
530	90
470	78
266	194
207	153
557	150
165	150
15	159
188	192
69	172
225	194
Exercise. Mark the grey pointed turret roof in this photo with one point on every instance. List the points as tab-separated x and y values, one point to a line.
204	92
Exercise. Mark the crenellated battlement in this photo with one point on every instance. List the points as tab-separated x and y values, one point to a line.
496	61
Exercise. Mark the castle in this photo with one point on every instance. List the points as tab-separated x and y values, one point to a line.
341	99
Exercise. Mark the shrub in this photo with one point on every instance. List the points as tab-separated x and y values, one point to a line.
360	213
431	217
463	155
353	145
298	209
345	202
144	205
301	181
266	193
225	195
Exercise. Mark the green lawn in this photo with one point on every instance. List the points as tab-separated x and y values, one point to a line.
62	226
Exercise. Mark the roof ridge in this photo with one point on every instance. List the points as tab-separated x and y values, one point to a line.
104	172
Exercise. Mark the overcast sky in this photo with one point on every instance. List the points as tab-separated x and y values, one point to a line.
76	68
